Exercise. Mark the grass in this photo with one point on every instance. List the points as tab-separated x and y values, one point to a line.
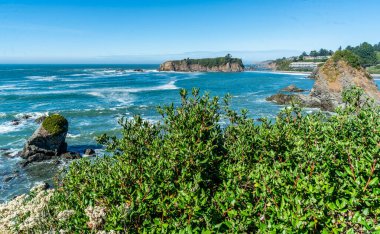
374	69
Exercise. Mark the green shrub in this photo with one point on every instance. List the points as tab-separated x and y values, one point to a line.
55	124
348	56
299	174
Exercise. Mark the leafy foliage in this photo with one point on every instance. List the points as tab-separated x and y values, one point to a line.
283	64
301	173
366	53
348	56
55	124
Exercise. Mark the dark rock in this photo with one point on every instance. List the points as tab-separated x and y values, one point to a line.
89	152
71	155
10	177
282	99
293	89
8	154
40	119
26	116
138	70
47	143
15	122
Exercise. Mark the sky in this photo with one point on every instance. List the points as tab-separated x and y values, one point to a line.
150	31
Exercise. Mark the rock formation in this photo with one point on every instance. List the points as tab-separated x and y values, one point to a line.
336	75
221	64
293	89
48	140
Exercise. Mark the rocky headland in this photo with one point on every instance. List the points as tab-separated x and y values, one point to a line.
220	64
339	73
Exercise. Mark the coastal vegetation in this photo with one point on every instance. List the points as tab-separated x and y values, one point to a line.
55	124
215	62
346	55
219	64
367	54
374	69
206	168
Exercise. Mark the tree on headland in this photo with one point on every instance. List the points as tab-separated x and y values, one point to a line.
366	53
377	47
313	53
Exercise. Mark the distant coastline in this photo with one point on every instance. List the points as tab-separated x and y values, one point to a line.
298	73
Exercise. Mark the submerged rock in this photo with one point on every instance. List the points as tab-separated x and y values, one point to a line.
71	155
292	88
281	99
26	116
15	122
40	119
89	152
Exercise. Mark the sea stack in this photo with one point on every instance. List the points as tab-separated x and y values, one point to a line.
48	140
220	64
339	73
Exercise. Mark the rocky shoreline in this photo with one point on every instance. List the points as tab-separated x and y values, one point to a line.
335	76
43	155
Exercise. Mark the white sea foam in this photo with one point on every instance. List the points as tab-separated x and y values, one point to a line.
9	127
31	115
80	74
12	87
42	78
96	94
169	86
122	95
12	152
2	115
7	87
73	135
261	100
77	85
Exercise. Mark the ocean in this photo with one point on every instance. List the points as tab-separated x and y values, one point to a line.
94	97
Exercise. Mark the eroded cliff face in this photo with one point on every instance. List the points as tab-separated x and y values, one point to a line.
330	81
183	66
334	77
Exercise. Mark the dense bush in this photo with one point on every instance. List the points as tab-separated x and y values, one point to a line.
348	56
194	173
366	54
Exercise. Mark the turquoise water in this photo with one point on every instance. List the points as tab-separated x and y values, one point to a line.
94	97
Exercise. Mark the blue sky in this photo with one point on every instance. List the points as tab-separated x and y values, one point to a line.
149	31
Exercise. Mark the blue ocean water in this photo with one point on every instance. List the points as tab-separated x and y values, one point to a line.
94	97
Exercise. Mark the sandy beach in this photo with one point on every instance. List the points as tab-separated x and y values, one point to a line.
284	72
